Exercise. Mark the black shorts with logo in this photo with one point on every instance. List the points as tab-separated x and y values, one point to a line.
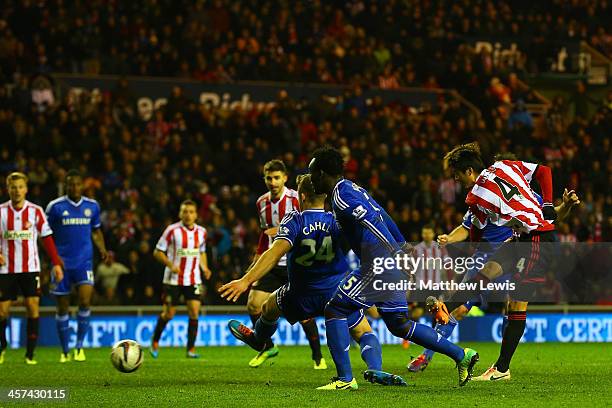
533	262
276	278
175	294
15	284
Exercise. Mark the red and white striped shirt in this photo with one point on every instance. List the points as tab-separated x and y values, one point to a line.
272	212
19	230
183	247
502	196
431	268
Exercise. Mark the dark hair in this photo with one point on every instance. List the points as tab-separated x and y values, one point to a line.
429	226
505	156
275	165
329	160
304	186
463	157
73	173
189	202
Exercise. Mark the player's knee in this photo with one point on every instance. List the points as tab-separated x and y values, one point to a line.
399	324
253	308
269	308
169	314
491	270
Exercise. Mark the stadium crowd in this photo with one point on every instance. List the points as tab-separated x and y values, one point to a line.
140	170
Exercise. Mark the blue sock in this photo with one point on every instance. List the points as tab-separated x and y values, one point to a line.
63	331
264	329
82	326
339	342
427	337
371	352
445	331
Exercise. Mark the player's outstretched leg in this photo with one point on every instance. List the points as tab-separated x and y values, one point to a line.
438	310
400	325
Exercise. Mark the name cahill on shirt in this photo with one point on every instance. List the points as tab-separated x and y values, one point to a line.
406	285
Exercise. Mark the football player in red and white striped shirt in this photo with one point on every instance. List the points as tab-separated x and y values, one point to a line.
428	249
501	195
182	249
272	207
21	223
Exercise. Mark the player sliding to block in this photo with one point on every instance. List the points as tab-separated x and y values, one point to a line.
493	236
316	265
371	233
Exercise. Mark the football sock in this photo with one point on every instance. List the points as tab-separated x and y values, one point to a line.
371	352
268	342
312	334
338	341
32	336
3	324
512	337
82	325
445	331
192	333
429	338
159	328
265	329
63	330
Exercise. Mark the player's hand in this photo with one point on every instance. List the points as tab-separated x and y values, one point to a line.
232	291
443	240
58	273
570	198
2	262
103	255
207	272
175	269
271	232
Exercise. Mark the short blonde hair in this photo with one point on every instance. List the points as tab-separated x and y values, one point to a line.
16	175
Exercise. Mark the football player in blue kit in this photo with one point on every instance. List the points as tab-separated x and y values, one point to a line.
372	234
75	221
316	265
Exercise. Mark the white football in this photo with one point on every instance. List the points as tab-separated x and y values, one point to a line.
126	356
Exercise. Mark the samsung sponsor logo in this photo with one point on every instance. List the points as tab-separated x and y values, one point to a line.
76	221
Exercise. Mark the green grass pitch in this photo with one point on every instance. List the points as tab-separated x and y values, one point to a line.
547	375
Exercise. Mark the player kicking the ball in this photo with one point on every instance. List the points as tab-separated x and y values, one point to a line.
182	249
316	265
493	237
75	221
501	195
371	234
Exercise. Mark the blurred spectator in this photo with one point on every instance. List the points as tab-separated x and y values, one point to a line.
107	277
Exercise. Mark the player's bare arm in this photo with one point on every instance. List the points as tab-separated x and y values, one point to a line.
162	258
459	234
570	200
98	239
204	266
268	260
